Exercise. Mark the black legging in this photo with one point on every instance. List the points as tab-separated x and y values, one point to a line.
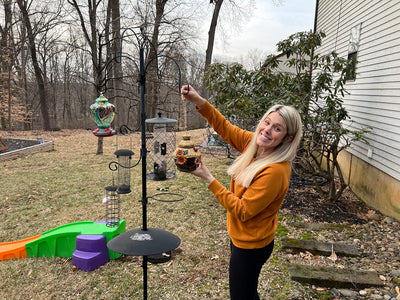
244	269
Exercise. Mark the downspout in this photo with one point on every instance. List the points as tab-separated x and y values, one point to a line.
314	31
316	16
312	50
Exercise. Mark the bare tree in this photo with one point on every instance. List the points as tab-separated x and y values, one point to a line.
236	10
54	66
23	6
5	67
93	38
122	115
211	31
153	86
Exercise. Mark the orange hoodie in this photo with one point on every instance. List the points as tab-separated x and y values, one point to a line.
251	212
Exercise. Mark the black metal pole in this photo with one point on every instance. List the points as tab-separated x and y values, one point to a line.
143	150
143	123
145	277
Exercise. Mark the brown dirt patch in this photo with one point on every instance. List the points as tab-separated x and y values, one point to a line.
304	200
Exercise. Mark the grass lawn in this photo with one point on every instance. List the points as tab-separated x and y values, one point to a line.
49	189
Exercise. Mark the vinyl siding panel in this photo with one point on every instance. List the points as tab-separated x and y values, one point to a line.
374	99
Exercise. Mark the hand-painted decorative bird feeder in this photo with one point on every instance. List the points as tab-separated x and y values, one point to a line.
124	166
112	202
186	155
102	113
161	137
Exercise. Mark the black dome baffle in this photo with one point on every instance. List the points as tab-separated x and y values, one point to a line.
123	152
139	242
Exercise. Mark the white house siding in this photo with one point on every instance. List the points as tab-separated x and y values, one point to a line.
374	99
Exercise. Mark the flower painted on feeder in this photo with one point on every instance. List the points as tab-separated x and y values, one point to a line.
186	155
181	160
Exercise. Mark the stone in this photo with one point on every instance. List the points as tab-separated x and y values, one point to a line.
334	277
319	248
388	220
376	297
348	293
335	292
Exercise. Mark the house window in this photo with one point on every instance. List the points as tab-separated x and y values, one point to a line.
352	57
354	43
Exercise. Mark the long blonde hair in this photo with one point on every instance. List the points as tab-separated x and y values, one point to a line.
243	169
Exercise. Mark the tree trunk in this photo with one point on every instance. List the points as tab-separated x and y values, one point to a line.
38	72
94	41
152	89
211	38
211	33
121	117
5	67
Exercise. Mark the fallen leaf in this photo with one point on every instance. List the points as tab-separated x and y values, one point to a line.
370	213
333	257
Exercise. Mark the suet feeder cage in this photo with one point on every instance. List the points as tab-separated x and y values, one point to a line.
124	166
112	202
161	138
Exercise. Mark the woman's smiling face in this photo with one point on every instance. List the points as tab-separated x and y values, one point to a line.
271	134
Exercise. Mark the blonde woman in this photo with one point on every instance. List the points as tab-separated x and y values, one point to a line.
259	183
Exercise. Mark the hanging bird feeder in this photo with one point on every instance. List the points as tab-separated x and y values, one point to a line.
112	202
161	138
102	112
123	166
186	155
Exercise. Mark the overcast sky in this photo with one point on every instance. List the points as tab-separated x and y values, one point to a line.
268	25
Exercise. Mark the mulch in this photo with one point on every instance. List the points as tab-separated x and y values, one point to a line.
303	200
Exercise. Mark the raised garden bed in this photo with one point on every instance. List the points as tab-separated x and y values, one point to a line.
21	147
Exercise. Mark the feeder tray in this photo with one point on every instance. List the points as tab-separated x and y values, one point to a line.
139	242
104	132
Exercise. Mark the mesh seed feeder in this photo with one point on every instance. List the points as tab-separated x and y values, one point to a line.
160	134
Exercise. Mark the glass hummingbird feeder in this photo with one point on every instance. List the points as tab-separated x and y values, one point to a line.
161	137
102	112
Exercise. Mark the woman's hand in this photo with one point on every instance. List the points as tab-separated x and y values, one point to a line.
190	94
203	172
